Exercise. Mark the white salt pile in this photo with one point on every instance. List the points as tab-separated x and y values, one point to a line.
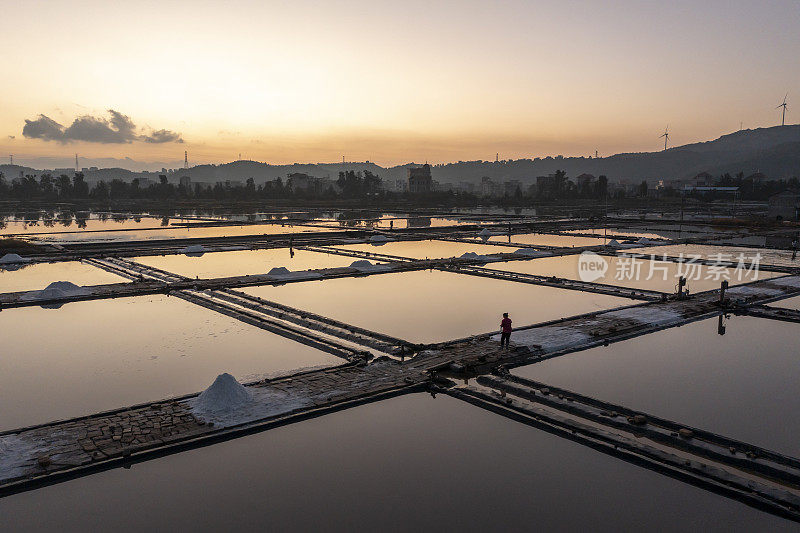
195	249
643	240
363	265
10	259
279	271
485	232
379	239
57	289
224	395
614	243
469	255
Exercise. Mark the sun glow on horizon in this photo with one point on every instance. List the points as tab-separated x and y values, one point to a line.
389	83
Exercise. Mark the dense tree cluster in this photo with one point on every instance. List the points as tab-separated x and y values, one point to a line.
352	185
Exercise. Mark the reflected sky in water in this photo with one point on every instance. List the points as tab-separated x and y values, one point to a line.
406	464
92	356
742	384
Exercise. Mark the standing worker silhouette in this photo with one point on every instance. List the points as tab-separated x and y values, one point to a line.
505	330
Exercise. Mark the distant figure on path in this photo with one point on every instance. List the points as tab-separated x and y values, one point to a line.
505	330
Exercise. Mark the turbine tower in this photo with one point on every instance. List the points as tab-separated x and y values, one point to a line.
185	159
76	163
783	105
666	137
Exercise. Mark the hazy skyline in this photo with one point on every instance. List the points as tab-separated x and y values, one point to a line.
390	82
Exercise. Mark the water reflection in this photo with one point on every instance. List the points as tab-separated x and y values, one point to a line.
98	355
406	464
433	306
37	276
741	385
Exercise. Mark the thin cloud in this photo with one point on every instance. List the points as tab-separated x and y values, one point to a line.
117	129
162	136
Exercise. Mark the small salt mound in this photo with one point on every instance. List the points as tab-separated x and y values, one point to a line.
469	255
225	394
195	249
10	259
57	289
526	251
375	239
613	243
643	240
485	232
279	271
365	266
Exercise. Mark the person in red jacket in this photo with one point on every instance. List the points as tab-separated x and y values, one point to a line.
505	330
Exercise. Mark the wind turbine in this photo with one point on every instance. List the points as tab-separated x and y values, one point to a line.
783	105
666	137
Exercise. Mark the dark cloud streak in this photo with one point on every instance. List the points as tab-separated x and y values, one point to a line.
162	136
118	129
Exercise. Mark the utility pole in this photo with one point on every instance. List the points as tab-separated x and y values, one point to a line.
76	163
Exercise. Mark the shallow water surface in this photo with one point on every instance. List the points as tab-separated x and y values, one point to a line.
764	256
244	262
406	464
173	232
543	239
36	276
433	306
430	249
97	355
742	384
653	274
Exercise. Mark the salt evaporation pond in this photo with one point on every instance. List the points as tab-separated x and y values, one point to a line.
37	276
542	239
742	384
447	465
173	232
789	303
243	262
97	355
768	256
69	225
433	306
430	249
658	275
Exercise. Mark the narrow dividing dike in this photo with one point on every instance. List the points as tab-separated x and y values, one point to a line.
50	453
561	283
377	256
774	313
299	325
745	472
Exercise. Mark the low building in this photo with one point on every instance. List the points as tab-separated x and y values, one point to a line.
784	205
299	181
185	182
419	179
511	187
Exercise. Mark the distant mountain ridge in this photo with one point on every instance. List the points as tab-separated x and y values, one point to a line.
773	151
